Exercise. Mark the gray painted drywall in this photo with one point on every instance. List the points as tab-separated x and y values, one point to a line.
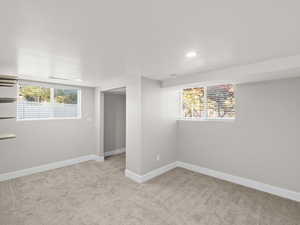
44	141
133	125
133	118
114	121
159	114
261	144
99	120
151	113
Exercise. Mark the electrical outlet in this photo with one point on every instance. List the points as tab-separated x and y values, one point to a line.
158	157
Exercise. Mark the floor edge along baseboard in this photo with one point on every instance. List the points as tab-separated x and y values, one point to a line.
49	166
150	175
281	192
115	152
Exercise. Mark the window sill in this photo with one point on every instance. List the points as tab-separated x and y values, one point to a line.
206	120
43	119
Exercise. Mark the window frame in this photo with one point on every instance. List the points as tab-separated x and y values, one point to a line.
182	117
54	86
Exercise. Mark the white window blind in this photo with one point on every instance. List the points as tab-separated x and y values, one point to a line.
210	102
47	102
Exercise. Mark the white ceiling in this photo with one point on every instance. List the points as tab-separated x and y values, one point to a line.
99	39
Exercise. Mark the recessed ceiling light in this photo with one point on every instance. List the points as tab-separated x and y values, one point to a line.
191	54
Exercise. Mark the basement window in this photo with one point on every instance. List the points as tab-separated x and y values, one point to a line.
208	103
39	101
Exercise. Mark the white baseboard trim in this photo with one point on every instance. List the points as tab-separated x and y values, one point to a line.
133	176
49	166
154	173
281	192
157	172
115	152
243	181
148	176
98	158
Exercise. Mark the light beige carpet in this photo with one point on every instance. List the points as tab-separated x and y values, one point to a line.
96	193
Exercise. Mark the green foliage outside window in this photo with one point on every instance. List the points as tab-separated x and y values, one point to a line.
193	102
43	94
65	96
35	93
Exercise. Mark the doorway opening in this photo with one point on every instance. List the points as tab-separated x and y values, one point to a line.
114	133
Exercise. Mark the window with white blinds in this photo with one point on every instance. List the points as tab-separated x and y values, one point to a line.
47	102
209	102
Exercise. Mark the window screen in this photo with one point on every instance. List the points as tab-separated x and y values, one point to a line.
211	102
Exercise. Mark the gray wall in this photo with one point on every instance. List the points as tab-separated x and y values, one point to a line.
133	125
151	113
159	114
114	121
261	144
44	141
